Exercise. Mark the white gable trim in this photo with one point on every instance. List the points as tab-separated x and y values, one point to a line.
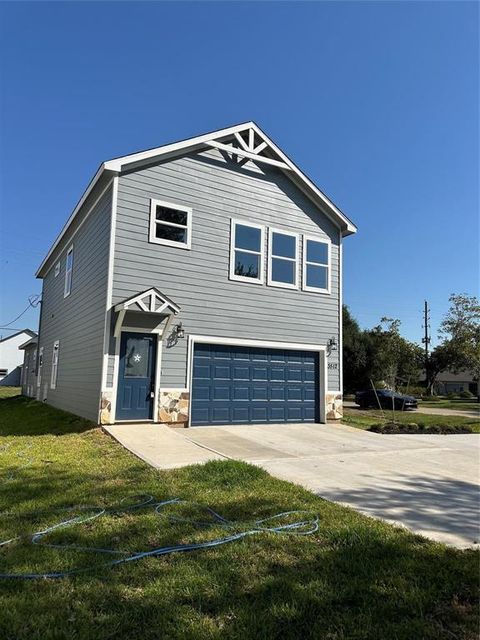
220	140
150	301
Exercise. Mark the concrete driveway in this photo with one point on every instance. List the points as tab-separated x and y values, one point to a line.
429	484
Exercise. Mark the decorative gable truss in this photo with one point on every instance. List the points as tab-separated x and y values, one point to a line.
151	301
249	145
244	141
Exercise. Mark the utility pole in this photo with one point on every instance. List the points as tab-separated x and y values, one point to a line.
426	342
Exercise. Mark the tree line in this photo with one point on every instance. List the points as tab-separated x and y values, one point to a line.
382	356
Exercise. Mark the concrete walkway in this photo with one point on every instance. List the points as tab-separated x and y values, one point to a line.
429	483
160	446
433	411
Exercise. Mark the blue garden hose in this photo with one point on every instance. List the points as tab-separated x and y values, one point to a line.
307	525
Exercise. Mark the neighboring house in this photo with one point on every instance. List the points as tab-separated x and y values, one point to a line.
448	382
196	283
29	368
11	358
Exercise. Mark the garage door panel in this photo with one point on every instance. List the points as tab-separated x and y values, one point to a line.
221	393
309	375
294	375
276	393
309	394
259	373
259	393
238	385
259	414
202	392
220	415
240	393
294	414
277	374
295	393
240	373
221	372
201	371
240	414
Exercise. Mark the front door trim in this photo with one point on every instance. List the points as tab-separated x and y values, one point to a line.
266	344
157	370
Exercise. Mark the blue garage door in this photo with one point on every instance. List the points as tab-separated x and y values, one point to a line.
238	385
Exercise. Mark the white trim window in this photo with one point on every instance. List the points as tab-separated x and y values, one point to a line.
57	269
55	352
170	224
316	264
247	252
68	272
283	259
39	366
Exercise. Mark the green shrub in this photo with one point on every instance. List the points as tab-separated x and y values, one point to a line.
415	390
412	428
466	394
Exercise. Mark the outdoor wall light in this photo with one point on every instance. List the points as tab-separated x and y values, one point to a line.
332	344
179	330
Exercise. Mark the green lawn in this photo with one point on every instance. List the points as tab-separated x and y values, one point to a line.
457	405
356	578
9	392
365	418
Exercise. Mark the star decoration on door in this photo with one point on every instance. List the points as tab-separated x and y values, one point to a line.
137	357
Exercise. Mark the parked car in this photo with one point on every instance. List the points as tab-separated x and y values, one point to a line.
387	399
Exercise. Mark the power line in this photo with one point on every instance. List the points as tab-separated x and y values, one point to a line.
33	301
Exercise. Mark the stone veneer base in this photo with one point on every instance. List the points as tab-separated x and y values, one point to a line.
334	406
173	406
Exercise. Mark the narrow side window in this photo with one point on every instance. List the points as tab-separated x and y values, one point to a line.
57	269
247	252
316	265
68	272
53	379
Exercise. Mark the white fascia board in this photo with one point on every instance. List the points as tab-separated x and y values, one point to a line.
303	182
119	164
72	217
349	226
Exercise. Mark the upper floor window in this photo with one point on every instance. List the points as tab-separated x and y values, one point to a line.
57	269
316	265
283	259
68	272
170	224
247	252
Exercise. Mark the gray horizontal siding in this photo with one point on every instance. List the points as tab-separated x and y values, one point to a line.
78	321
197	280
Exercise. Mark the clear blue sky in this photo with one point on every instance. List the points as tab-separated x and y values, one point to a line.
377	102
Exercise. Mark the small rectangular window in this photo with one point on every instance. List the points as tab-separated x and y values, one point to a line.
39	366
68	272
247	247
53	378
283	259
170	224
57	269
316	265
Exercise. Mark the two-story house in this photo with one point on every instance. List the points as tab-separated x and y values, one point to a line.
199	283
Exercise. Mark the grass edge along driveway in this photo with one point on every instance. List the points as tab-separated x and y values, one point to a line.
365	418
355	578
